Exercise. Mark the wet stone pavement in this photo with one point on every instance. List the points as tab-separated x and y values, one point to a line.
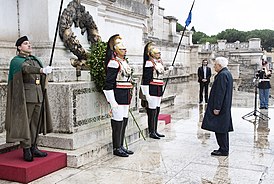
183	156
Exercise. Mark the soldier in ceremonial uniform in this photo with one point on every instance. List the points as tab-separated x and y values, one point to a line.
152	86
117	90
24	100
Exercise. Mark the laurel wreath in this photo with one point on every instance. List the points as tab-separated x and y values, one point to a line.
95	61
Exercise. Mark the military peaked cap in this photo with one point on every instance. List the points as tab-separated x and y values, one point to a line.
21	40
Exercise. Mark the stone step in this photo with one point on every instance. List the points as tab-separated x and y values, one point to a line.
80	150
165	102
89	153
85	137
6	147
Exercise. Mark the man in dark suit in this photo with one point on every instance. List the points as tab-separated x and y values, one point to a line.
218	113
204	74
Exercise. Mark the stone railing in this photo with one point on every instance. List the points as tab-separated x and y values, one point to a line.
228	47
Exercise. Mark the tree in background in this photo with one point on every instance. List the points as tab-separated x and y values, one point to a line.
179	27
233	35
199	37
266	35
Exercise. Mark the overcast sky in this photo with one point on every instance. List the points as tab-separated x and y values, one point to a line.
214	16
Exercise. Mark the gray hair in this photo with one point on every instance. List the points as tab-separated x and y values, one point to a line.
222	61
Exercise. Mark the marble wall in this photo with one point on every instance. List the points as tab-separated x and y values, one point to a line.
74	102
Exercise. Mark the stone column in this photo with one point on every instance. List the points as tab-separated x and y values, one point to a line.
172	29
254	44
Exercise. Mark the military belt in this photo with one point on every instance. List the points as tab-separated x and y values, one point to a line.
264	80
31	81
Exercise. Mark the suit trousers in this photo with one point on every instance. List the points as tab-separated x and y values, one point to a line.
223	142
33	117
203	87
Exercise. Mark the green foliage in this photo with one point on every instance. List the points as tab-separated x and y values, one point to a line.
266	35
95	61
198	37
179	27
211	39
233	35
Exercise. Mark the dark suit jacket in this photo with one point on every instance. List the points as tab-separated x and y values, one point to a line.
220	98
201	74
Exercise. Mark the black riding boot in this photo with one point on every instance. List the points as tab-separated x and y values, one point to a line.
123	136
36	152
27	155
156	122
148	124
116	138
151	123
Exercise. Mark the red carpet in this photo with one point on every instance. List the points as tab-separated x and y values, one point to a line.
165	117
14	168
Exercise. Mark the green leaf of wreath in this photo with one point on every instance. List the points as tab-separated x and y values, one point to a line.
95	61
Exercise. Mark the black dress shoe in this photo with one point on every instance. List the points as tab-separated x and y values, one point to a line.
27	155
153	136
159	135
127	151
218	153
119	152
37	153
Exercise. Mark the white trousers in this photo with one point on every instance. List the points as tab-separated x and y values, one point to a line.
154	102
120	112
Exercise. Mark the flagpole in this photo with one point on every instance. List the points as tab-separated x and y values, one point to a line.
41	114
187	22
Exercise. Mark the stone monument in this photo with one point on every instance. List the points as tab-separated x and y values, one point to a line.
80	113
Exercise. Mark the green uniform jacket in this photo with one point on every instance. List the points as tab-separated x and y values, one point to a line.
17	122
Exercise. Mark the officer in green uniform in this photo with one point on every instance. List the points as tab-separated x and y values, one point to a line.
26	82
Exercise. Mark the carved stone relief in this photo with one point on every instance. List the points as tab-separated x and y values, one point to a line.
150	19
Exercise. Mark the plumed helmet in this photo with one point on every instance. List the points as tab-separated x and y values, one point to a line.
116	43
151	50
154	51
146	51
113	45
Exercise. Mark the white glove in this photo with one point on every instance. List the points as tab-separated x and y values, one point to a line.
145	90
114	109
159	67
170	68
111	99
47	70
